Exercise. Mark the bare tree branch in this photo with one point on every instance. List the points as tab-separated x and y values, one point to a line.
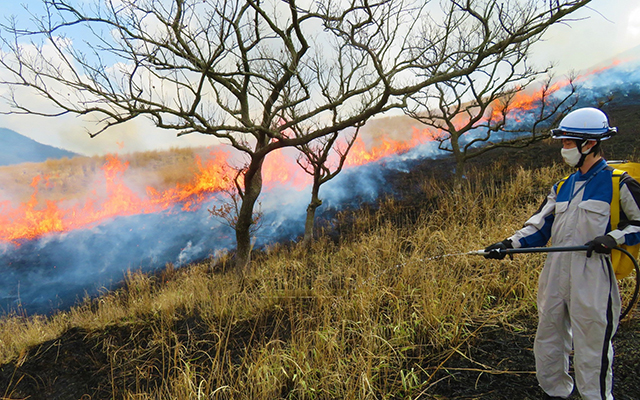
259	75
323	159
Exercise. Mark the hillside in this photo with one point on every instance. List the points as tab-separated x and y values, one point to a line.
17	149
73	177
367	312
372	307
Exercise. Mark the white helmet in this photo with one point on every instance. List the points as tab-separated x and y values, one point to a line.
584	124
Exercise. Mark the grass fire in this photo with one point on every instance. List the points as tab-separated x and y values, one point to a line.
119	284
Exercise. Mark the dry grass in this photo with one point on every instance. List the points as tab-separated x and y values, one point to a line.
76	178
356	319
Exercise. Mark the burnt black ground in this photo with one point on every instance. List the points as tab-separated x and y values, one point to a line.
499	364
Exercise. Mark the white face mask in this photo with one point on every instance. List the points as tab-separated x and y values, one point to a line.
572	156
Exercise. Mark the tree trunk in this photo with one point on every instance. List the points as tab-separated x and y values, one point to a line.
460	164
252	189
459	157
311	212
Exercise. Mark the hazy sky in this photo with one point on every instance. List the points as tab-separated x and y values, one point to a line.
598	33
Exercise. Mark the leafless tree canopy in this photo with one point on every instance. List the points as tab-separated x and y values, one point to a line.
482	102
489	109
249	71
244	71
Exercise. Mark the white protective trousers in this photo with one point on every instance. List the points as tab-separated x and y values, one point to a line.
579	304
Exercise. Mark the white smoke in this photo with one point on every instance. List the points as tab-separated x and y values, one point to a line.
633	24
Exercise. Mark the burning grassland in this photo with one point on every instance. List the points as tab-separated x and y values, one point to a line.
363	313
370	315
72	227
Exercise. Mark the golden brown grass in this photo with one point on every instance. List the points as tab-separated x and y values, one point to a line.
371	316
76	178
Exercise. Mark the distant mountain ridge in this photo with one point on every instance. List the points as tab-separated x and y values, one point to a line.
16	149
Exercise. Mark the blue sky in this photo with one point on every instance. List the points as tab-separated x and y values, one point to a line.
598	33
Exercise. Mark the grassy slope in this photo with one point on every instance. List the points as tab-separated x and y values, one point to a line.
367	315
74	178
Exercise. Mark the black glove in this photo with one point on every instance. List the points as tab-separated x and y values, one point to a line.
602	244
493	251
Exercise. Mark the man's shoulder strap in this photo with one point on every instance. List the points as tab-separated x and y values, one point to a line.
615	198
560	183
616	175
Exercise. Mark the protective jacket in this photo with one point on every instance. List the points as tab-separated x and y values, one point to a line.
578	299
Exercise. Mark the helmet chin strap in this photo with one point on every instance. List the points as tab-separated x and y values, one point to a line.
584	155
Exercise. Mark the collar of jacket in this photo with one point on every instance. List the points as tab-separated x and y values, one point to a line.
595	168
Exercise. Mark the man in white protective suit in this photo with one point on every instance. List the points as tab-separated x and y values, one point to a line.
578	299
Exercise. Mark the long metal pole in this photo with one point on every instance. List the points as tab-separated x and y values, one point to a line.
531	250
513	251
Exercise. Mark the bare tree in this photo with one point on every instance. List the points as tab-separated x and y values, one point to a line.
472	114
468	111
246	71
323	159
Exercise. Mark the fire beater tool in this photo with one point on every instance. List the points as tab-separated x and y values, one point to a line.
634	298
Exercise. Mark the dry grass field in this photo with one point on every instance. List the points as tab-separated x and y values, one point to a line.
371	315
369	311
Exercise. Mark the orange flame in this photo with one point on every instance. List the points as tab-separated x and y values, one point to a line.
31	219
280	168
384	146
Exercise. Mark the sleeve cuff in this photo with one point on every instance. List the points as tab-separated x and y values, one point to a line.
515	242
617	235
